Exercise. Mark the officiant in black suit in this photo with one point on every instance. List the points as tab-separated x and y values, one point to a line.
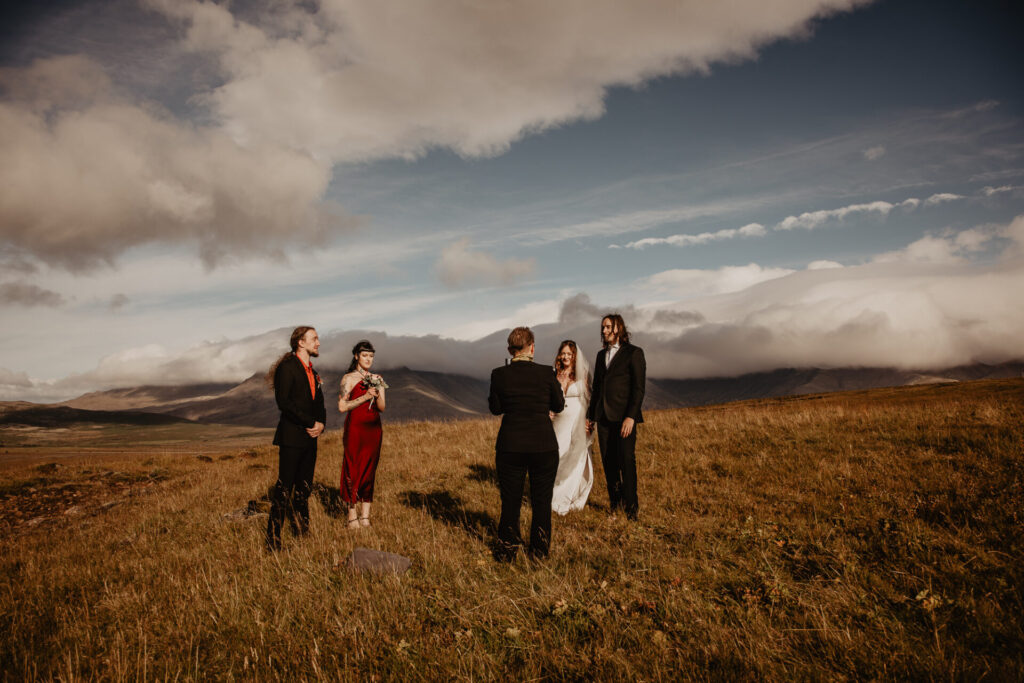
524	394
300	398
620	377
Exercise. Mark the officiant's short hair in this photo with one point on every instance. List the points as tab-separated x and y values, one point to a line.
519	339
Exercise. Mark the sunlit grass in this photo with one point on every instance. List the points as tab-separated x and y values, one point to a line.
867	535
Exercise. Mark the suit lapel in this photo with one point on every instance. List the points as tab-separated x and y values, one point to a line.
616	360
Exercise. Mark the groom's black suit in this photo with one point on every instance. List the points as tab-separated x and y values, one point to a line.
618	393
300	409
523	392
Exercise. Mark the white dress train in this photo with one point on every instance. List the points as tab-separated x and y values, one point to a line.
575	470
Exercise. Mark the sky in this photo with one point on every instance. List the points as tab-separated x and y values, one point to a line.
754	183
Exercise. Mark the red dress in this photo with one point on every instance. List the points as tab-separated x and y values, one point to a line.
361	441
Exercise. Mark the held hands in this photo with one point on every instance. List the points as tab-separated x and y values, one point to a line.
315	430
624	432
627	427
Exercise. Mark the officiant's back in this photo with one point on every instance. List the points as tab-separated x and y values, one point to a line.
523	393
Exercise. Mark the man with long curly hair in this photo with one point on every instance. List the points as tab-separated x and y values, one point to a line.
620	378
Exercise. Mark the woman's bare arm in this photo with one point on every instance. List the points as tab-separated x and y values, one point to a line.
348	383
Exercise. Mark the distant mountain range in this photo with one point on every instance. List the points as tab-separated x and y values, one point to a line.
413	395
421	395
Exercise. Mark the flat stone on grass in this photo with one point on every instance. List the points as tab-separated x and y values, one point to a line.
377	561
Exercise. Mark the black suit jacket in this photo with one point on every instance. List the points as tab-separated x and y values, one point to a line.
618	390
523	392
300	410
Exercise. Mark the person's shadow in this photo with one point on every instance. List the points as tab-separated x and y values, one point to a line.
330	499
489	475
444	507
483	473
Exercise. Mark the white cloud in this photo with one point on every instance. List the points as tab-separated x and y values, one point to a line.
749	230
823	264
11	381
808	220
949	248
88	173
874	153
152	364
813	219
91	171
973	240
928	249
692	282
925	306
942	198
1015	233
356	80
530	314
459	266
882	315
635	221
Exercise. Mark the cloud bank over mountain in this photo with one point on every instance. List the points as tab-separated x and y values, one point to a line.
925	306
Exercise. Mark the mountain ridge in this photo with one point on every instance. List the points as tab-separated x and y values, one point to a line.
422	395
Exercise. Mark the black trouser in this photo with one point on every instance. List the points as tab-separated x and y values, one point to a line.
512	470
618	456
290	495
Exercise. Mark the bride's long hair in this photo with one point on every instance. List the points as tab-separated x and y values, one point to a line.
580	368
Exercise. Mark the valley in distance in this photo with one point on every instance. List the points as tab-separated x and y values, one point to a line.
867	533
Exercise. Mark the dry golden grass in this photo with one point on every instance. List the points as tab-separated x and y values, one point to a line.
862	535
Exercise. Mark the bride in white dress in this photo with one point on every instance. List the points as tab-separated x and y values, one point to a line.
575	469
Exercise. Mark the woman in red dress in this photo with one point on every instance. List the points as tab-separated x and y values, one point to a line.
362	397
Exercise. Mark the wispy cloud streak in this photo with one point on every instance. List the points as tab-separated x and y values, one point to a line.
808	220
749	230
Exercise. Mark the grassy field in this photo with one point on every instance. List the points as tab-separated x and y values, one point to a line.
866	535
21	444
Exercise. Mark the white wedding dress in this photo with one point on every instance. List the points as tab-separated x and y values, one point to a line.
575	470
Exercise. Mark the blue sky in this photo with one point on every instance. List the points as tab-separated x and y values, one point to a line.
759	184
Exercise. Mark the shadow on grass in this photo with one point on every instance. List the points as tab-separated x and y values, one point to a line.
330	500
444	507
483	473
328	497
488	474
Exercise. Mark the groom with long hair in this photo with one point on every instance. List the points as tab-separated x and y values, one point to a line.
300	398
620	378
